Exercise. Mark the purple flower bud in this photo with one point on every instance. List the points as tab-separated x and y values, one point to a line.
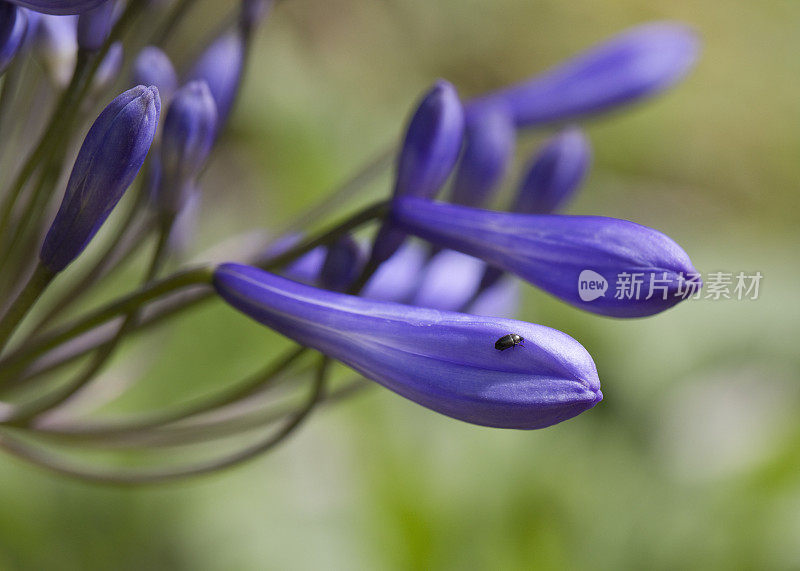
428	154
153	67
108	161
13	24
94	26
221	66
306	268
432	143
342	265
555	174
397	278
636	64
488	150
499	300
450	280
56	44
444	361
560	253
59	7
185	143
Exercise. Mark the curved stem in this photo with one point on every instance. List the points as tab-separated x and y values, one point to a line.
19	308
58	465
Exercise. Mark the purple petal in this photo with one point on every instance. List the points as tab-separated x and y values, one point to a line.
553	252
59	7
555	174
109	159
488	150
636	64
442	360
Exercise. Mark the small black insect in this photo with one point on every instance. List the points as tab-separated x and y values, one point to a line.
509	341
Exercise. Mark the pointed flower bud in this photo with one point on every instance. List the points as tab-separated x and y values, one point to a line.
429	152
444	361
342	265
153	67
499	300
94	26
185	143
108	161
221	66
559	253
555	173
60	7
397	278
636	64
13	24
449	282
488	150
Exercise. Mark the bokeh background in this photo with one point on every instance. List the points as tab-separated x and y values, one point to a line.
692	461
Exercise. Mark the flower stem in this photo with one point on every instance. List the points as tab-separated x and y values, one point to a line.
19	308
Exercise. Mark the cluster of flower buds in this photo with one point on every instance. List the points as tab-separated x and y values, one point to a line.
431	322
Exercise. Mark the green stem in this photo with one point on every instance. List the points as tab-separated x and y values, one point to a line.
58	465
19	308
16	363
201	275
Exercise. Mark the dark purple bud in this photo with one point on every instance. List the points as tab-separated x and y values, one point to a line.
488	150
306	268
449	282
153	67
429	152
397	278
629	270
444	361
499	300
636	64
59	7
186	142
56	44
94	26
109	159
555	173
13	25
220	66
342	265
432	143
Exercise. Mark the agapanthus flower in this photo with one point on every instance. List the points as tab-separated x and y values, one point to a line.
221	66
449	281
442	360
94	25
153	67
631	66
428	154
186	142
109	159
342	265
552	252
60	7
489	143
554	175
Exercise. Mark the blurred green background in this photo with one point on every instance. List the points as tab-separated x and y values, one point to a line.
692	461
